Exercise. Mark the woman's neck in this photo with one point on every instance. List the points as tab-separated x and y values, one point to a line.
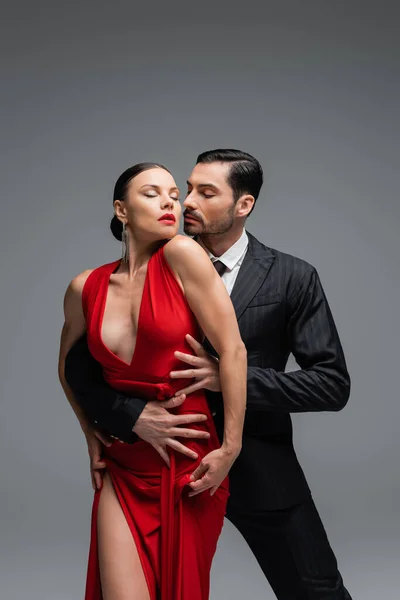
140	253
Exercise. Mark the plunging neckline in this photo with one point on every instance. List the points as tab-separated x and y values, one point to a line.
103	309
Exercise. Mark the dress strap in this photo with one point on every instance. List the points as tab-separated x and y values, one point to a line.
92	285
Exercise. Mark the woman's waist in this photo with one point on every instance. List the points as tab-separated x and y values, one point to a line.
141	460
155	389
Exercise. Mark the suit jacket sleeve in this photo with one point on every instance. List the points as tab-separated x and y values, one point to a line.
105	406
323	383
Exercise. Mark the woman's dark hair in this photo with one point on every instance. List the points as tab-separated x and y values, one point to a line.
121	189
245	175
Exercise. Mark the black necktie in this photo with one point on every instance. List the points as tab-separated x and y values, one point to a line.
220	267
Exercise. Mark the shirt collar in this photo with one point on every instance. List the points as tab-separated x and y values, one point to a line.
232	256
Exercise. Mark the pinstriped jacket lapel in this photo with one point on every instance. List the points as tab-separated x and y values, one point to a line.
252	274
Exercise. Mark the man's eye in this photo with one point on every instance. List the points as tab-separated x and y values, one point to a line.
208	195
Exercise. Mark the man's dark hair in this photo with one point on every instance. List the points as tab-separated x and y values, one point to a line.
245	175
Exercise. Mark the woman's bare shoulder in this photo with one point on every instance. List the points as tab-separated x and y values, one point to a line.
73	293
181	250
77	283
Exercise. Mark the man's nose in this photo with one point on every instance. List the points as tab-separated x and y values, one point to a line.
189	201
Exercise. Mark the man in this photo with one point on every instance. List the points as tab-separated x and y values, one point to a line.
281	308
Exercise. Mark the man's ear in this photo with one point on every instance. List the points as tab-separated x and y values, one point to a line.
244	205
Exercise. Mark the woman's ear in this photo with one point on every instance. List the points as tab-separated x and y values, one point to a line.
119	209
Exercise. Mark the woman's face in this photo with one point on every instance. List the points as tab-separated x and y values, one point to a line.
151	208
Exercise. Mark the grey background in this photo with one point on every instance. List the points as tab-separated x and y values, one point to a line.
312	90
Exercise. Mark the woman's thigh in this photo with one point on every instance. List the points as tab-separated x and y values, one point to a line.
121	572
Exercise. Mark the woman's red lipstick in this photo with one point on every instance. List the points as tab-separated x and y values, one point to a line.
168	218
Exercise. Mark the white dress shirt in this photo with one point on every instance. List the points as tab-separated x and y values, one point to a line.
232	259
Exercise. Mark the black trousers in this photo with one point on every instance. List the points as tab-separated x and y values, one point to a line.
293	551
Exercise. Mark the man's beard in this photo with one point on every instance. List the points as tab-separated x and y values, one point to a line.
219	227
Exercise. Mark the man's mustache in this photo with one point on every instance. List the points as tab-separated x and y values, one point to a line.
192	214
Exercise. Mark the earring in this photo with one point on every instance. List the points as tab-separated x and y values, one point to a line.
125	244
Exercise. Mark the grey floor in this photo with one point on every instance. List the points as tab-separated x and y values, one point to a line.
52	565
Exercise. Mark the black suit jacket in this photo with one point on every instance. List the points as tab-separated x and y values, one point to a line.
281	308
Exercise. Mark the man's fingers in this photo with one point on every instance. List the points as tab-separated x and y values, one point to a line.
189	373
189	433
163	453
192	388
181	448
173	402
197	347
176	420
104	439
195	361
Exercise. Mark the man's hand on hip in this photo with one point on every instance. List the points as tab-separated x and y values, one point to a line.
205	369
157	426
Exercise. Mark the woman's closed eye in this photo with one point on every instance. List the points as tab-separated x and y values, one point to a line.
173	196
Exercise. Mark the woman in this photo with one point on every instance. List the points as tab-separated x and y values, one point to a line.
153	537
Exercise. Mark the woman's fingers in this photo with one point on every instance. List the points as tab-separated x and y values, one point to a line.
97	463
97	478
104	439
207	482
93	480
213	490
201	485
199	472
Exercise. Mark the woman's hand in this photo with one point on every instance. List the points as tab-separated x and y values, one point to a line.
95	442
212	470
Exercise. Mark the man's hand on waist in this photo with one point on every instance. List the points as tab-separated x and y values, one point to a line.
157	426
205	369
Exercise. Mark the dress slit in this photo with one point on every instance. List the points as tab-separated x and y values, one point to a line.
93	583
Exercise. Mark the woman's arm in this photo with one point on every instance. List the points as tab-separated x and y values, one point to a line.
74	327
113	412
212	306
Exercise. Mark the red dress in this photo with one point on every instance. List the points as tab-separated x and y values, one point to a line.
175	535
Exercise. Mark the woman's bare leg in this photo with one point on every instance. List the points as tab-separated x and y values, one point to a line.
121	572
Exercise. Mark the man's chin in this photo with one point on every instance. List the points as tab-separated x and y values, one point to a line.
192	228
